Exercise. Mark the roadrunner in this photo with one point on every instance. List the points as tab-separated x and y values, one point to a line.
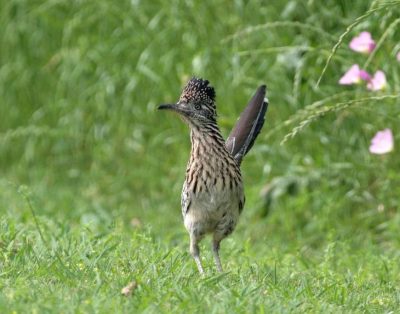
212	194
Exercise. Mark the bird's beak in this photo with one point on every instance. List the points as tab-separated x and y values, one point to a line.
174	107
167	106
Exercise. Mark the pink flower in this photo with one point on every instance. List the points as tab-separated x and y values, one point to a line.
382	142
363	43
377	82
398	56
364	75
352	76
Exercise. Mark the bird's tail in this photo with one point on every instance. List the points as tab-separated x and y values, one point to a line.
248	126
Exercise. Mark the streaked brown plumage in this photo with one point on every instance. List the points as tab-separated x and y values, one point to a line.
212	194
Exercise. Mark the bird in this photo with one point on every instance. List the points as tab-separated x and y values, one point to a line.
212	196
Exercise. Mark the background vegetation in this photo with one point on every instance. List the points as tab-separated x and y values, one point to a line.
91	173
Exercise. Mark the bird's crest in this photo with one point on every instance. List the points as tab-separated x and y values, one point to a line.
198	91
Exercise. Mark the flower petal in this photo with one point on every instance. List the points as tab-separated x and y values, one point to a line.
364	75
378	81
382	142
398	56
352	76
363	43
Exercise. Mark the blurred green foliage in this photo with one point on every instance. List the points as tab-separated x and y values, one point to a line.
79	132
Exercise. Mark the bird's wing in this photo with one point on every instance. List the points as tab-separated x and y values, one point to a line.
248	126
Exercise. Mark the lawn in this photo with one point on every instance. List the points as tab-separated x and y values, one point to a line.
91	172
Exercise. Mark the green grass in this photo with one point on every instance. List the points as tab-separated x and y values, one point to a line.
84	152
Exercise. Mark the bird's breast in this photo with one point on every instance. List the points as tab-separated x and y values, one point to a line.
210	189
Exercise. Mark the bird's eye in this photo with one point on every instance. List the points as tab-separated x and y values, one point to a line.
197	107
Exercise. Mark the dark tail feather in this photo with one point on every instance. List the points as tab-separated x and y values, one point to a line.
249	125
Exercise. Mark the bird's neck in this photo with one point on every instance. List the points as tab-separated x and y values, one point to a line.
207	137
209	154
209	151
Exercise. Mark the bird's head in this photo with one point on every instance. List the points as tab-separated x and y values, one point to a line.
196	104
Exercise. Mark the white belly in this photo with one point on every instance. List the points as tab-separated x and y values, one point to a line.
213	210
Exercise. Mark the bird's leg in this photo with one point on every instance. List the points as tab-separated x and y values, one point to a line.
195	251
215	249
